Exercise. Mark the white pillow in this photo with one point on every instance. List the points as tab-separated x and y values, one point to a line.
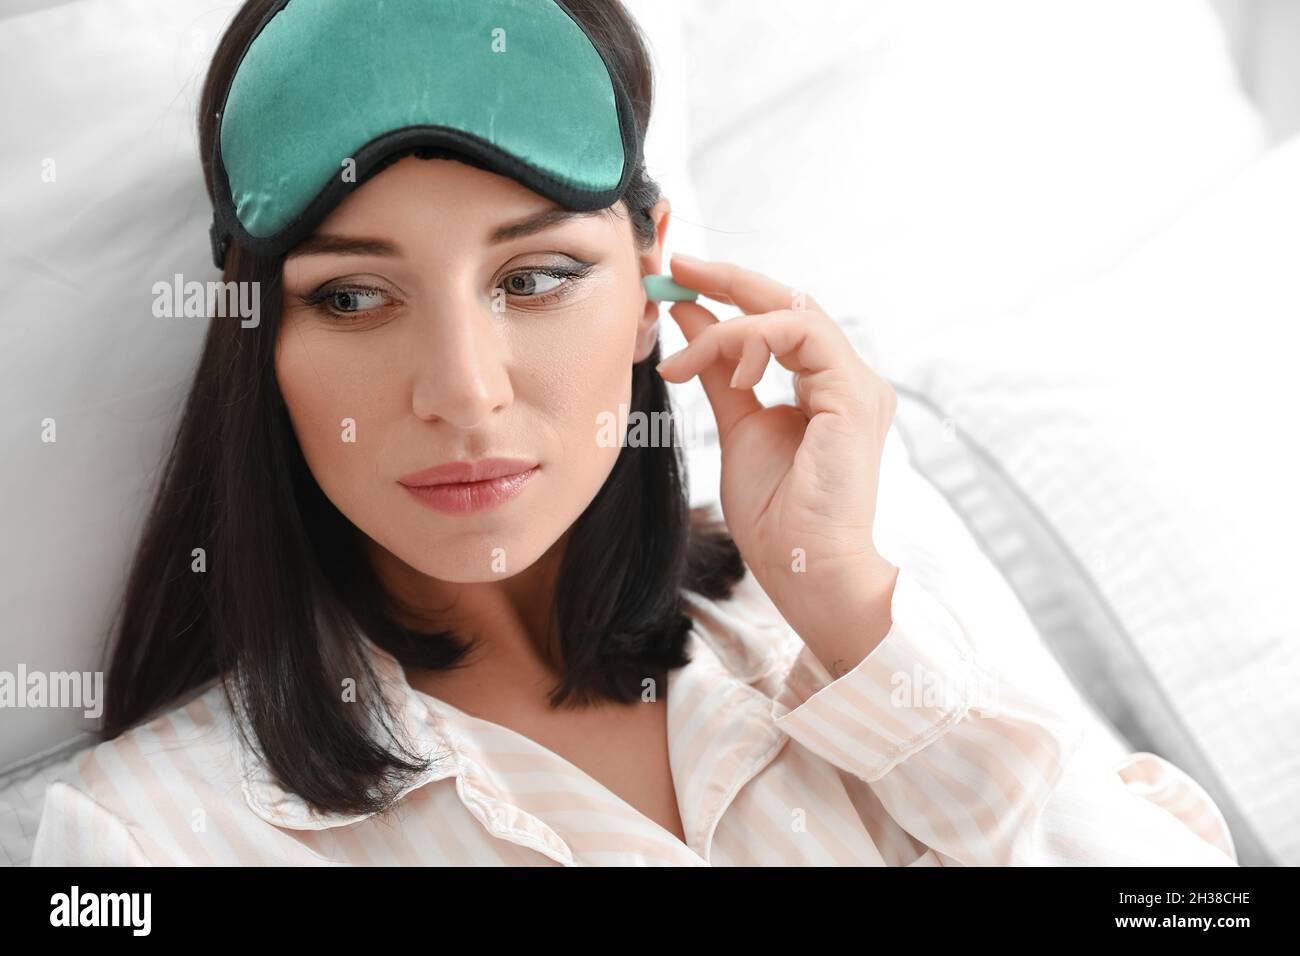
917	165
101	187
1148	417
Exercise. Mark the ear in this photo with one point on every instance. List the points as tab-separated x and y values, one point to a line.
651	262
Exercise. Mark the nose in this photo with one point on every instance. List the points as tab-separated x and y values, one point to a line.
461	374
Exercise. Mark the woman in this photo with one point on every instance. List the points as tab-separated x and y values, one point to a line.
397	603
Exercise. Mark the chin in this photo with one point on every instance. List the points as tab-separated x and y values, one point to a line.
470	557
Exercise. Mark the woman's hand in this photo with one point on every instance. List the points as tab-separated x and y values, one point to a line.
799	483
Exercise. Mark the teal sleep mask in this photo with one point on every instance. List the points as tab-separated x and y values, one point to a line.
329	92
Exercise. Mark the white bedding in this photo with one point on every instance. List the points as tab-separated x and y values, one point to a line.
1149	417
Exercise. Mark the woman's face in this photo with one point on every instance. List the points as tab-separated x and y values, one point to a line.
419	329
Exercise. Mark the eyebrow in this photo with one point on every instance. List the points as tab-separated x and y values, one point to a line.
323	243
533	224
328	244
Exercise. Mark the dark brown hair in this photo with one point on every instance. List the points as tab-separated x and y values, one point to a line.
287	589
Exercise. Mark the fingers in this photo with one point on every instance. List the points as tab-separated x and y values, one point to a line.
800	341
752	292
802	389
729	404
779	322
754	354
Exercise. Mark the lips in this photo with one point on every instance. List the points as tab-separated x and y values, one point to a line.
463	488
464	472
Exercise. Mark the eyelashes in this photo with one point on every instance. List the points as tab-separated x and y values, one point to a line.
326	298
569	276
348	301
318	298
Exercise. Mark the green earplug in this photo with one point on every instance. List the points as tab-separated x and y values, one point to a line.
662	288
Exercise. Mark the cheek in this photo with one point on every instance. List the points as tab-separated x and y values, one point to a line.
337	419
582	370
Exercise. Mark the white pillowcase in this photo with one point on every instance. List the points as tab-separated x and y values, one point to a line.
1149	418
918	165
101	186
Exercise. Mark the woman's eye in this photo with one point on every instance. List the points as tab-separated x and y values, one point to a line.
525	283
346	300
543	284
354	300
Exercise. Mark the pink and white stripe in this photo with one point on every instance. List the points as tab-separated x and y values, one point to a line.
774	764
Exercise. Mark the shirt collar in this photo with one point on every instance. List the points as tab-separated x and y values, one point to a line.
720	727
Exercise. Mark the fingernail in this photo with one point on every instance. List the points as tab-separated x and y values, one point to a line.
683	257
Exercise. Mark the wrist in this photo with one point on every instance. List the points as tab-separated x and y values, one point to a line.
852	618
